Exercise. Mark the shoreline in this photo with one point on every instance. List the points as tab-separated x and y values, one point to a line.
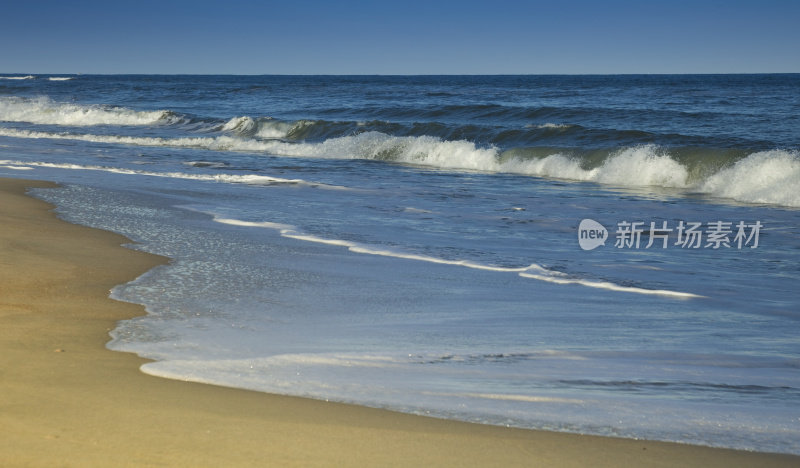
69	401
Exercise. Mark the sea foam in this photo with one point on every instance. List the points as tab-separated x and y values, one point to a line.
48	112
532	271
766	177
248	179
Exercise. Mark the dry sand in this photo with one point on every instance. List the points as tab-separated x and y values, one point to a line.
65	400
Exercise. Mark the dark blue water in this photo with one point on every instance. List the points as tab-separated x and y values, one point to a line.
413	242
753	112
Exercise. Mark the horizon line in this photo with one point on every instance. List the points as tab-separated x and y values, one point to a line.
34	74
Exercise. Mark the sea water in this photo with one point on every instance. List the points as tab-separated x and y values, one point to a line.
422	243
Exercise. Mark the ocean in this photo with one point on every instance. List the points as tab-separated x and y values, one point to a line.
612	255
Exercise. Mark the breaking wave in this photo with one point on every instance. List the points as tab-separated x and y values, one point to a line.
765	177
771	177
46	111
265	127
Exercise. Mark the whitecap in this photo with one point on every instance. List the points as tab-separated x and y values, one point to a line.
771	177
48	112
765	177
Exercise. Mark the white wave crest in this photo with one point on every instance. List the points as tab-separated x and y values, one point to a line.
428	151
239	125
275	128
637	166
61	78
549	126
45	111
266	128
28	77
421	150
771	177
766	177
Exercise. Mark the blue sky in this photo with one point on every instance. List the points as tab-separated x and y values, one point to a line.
401	37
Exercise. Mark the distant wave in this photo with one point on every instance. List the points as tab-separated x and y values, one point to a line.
550	125
28	77
532	271
519	134
317	130
769	177
46	111
61	78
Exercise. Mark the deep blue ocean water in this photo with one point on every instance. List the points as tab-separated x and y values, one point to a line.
414	243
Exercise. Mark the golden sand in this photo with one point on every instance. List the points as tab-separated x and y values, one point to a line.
65	400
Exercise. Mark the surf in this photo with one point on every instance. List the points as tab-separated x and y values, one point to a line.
43	110
763	177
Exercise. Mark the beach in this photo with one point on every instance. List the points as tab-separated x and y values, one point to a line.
69	401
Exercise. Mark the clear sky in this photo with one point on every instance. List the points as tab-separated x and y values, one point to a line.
400	37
